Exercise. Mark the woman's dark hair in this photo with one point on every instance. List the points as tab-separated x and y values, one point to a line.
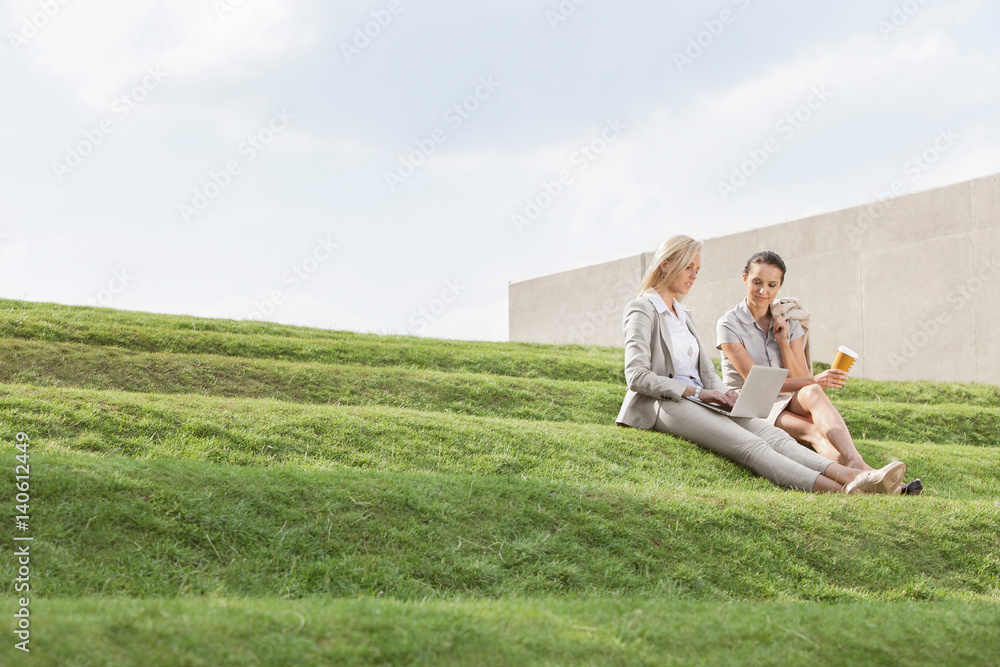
766	257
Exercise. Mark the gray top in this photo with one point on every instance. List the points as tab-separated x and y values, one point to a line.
739	326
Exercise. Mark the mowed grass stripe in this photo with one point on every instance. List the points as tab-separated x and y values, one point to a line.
173	333
969	394
910	422
151	332
37	317
93	367
262	432
544	631
526	523
118	527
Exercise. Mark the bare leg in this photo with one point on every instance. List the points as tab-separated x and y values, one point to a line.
812	402
805	432
840	474
835	477
826	485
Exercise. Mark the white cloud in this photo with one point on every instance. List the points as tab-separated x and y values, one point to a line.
484	321
668	165
660	177
101	48
311	311
452	217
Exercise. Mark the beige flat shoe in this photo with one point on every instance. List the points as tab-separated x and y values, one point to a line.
883	480
893	476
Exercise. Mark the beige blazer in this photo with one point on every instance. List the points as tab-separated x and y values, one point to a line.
649	366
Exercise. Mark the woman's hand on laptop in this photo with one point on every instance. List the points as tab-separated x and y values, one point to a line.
833	378
722	398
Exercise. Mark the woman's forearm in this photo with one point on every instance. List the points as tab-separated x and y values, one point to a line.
796	369
791	385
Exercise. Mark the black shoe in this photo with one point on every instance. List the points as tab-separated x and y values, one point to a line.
914	488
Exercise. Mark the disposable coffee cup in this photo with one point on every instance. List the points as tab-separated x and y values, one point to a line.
844	359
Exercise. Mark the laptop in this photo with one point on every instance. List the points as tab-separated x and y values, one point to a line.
757	396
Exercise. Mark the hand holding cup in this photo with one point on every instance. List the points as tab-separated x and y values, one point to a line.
844	359
831	379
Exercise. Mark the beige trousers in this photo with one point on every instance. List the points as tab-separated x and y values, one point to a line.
753	443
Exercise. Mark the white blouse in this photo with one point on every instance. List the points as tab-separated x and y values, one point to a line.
684	349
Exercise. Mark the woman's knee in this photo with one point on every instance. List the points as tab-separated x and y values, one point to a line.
813	393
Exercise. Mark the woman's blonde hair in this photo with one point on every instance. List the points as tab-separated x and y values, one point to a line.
677	252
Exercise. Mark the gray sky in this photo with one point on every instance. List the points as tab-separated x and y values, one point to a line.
390	166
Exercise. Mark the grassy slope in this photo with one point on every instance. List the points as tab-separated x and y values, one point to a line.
482	476
914	416
540	631
167	528
256	432
176	334
253	342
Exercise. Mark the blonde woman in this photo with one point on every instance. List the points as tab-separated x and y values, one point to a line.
666	361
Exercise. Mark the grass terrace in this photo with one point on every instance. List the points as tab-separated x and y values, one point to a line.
215	492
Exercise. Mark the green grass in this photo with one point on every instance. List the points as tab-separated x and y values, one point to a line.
951	393
222	492
166	528
267	432
973	421
216	632
264	432
178	334
97	367
914	422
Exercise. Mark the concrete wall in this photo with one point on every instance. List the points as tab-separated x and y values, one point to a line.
582	306
911	283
